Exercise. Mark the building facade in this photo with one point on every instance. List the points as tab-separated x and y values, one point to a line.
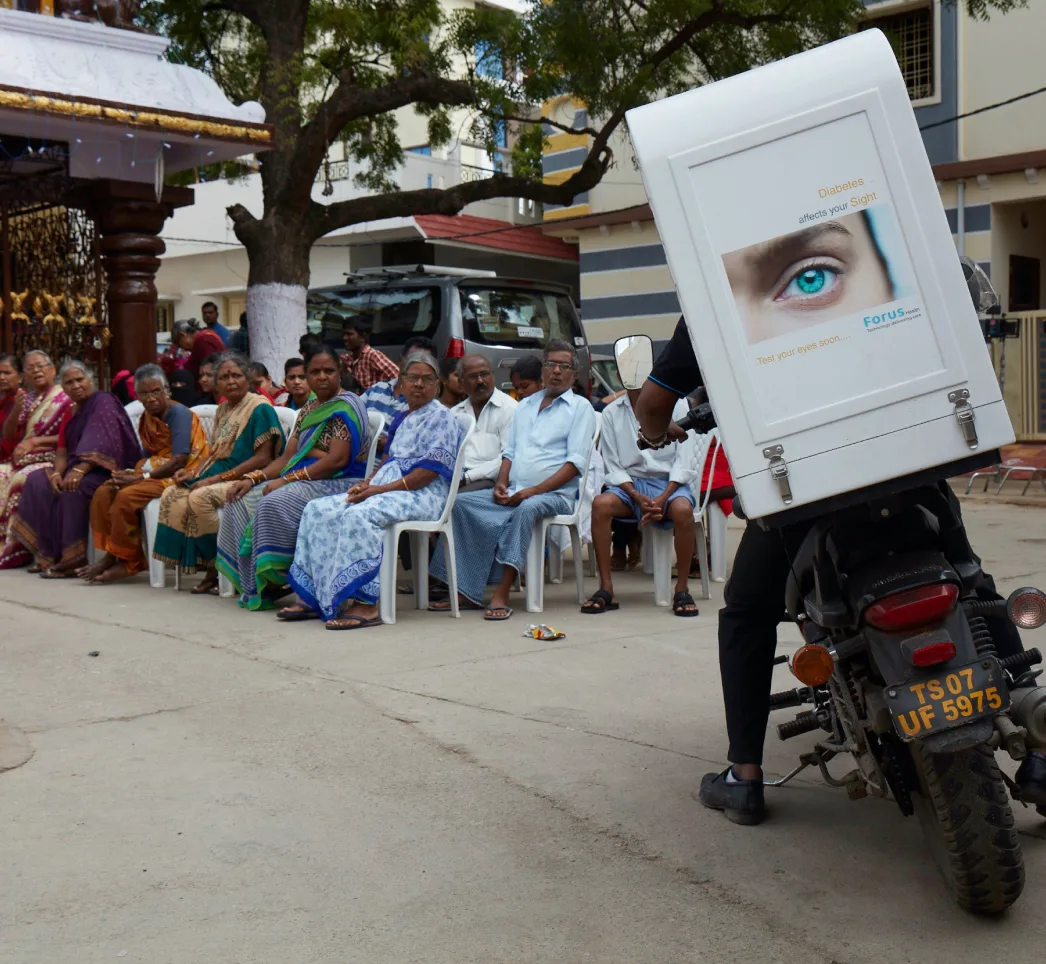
987	155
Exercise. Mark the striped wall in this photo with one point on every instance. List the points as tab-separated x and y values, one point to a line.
625	284
564	154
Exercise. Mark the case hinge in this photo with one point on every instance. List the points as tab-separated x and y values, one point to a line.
966	416
779	471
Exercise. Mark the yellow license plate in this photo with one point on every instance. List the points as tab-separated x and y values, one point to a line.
935	703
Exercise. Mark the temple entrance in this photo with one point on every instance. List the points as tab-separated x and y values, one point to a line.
51	276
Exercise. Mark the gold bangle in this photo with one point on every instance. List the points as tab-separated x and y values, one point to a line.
406	488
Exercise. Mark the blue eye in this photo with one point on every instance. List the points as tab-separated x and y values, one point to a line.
810	282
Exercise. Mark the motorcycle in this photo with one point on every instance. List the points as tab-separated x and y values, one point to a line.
900	671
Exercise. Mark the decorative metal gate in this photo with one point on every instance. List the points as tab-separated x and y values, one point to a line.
53	282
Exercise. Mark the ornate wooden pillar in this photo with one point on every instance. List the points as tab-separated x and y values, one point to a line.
129	221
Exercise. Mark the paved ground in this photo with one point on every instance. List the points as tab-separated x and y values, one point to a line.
216	787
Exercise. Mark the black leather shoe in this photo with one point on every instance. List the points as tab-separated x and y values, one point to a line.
741	802
1031	778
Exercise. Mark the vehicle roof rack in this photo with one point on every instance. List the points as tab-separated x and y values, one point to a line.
397	271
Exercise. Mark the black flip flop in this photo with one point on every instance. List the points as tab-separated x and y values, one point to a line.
681	599
298	617
360	623
605	602
489	616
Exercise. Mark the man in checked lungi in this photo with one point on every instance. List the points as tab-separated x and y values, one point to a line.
546	451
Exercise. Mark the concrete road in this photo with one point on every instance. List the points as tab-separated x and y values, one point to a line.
217	787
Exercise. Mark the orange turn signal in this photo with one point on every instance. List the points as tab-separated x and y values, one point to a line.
812	665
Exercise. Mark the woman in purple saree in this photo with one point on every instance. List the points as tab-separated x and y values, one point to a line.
53	517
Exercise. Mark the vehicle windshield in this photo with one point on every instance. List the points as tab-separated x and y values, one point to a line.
394	314
517	318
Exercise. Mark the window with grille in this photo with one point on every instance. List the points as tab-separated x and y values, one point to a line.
911	35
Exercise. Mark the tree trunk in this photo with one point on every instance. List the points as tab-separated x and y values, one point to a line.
276	290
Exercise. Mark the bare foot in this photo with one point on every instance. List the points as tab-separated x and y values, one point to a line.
115	572
94	570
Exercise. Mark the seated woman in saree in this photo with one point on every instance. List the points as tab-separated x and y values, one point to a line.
341	539
12	399
44	410
247	436
260	525
53	516
172	439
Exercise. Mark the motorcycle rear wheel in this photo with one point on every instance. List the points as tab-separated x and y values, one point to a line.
964	809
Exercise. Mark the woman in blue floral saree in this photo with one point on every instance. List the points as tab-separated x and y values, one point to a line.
341	539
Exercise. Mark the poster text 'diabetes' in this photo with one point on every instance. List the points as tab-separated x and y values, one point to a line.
855	203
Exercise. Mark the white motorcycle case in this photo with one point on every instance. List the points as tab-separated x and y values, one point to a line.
818	277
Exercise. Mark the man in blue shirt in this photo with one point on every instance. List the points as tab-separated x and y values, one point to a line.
209	313
548	447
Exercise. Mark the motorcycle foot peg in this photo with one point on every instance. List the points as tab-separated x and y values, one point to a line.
805	722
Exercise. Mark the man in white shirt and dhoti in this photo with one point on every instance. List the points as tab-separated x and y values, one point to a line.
491	411
650	485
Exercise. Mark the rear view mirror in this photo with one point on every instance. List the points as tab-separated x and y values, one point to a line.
634	355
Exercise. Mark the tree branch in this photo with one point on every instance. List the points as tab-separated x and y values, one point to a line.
350	102
326	218
566	128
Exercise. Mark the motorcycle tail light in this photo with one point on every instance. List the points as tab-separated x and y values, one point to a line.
932	654
812	664
1027	608
912	608
455	348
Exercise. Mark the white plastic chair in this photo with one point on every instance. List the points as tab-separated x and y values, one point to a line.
376	423
205	413
536	552
661	541
287	417
419	549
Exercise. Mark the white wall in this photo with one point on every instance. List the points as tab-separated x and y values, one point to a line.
1002	58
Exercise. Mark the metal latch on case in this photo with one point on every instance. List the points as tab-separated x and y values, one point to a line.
779	471
965	415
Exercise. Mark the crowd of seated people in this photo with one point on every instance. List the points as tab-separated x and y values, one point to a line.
278	512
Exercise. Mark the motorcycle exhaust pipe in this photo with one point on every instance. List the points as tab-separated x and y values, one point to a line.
1029	710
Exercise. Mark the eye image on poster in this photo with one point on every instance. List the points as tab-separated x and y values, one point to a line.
828	270
823	294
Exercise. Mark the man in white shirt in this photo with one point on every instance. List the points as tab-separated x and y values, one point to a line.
651	485
491	410
547	449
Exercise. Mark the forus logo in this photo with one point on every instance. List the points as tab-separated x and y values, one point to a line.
876	321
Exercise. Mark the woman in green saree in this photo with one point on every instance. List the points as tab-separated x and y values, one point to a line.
326	455
247	436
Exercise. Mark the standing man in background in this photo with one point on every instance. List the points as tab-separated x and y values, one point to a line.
209	313
365	364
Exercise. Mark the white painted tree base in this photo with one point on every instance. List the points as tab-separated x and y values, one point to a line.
276	314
